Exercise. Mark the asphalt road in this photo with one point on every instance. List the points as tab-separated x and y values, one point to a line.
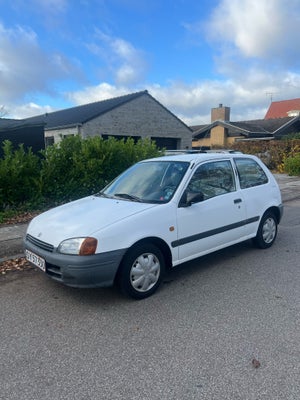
194	339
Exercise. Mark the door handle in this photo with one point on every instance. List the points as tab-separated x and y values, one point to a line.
236	201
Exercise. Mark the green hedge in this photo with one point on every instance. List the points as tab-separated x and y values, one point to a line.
72	169
19	176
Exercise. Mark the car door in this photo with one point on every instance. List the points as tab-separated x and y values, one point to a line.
216	221
256	189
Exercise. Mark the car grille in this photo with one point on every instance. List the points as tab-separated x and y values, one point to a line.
39	243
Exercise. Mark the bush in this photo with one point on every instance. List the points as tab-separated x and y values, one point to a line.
19	176
78	167
272	153
292	165
72	169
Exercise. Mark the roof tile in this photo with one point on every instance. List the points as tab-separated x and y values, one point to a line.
280	109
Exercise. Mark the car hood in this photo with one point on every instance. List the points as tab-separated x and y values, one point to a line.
82	218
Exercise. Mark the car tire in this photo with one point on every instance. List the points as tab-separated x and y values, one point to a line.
267	231
141	271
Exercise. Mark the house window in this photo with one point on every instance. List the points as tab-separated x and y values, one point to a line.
167	143
49	141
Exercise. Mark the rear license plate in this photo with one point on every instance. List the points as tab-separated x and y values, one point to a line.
36	260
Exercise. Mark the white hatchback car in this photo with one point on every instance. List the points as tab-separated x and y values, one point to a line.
157	214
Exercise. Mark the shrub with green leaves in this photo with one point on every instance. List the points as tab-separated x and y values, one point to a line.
77	167
292	165
19	176
73	168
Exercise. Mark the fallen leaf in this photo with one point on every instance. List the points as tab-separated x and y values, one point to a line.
16	264
255	363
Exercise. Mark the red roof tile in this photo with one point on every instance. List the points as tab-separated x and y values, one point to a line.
280	109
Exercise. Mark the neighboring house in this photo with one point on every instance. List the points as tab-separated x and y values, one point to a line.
284	108
20	131
222	132
137	115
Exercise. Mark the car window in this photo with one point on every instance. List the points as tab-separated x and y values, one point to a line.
213	179
250	173
153	181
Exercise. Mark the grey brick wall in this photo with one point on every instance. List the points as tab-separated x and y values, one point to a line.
58	134
142	117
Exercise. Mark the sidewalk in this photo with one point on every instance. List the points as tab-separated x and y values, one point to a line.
289	186
11	236
11	241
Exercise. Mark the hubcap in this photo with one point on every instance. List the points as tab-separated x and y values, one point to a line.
269	230
145	272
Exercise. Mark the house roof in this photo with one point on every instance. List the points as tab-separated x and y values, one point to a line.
280	109
84	113
10	124
251	129
81	114
7	123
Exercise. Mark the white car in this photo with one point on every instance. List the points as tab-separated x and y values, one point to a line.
157	214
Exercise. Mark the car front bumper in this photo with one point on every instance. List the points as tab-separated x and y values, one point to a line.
98	270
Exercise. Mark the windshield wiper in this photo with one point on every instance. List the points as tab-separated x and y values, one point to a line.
128	196
101	194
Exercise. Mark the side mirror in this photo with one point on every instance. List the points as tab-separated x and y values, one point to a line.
189	198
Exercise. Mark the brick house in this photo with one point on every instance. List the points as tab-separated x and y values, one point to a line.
137	115
222	132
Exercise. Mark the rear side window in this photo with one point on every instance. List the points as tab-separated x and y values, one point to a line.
250	173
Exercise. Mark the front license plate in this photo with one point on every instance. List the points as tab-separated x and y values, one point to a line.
36	260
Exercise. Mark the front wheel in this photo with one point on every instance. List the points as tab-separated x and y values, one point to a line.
141	271
267	231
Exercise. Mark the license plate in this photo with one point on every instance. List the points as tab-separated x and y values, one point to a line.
36	260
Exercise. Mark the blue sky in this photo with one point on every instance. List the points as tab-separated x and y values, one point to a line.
190	55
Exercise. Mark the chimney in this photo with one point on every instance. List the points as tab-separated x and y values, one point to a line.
220	114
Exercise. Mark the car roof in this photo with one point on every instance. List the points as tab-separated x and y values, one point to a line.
198	157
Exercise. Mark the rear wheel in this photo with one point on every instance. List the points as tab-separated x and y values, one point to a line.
141	271
267	231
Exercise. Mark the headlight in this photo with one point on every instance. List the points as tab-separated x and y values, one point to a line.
78	246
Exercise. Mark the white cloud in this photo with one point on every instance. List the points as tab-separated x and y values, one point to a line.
266	29
26	110
26	68
99	92
255	44
193	102
127	64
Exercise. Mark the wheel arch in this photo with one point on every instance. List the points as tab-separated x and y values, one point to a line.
267	231
161	244
275	211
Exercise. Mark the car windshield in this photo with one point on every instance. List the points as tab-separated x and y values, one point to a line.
150	182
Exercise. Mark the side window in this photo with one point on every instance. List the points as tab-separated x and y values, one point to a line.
213	179
250	173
